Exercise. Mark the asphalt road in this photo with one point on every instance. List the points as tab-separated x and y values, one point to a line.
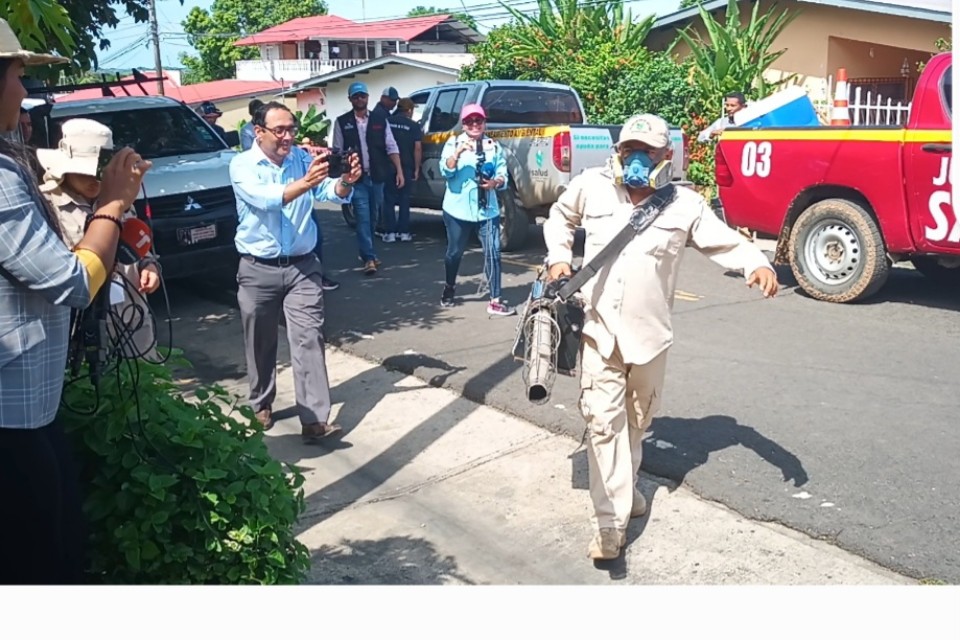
836	420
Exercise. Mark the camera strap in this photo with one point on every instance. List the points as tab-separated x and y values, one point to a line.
640	220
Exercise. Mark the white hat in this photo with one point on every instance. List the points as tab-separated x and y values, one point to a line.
79	148
647	128
10	48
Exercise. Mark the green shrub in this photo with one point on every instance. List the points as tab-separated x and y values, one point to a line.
178	491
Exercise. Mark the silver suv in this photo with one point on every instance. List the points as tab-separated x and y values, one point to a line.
188	196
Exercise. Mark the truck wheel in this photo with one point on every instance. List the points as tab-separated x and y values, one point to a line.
936	271
837	252
514	222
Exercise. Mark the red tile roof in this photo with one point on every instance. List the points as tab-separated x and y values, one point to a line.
191	93
333	27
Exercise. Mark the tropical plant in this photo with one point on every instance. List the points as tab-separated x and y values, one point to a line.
495	58
732	56
40	25
313	125
560	27
181	491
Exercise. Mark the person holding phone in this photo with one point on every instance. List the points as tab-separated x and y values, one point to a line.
42	538
276	184
475	169
72	184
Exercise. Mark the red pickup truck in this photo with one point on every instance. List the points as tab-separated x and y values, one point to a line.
848	202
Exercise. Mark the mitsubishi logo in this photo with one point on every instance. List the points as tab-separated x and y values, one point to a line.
192	205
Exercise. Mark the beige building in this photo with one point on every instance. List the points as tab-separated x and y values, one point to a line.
878	42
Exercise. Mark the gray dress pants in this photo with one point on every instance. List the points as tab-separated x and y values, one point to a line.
295	289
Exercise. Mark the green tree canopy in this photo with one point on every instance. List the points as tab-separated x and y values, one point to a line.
73	29
421	10
213	33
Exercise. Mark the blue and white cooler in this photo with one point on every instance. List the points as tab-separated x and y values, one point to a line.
788	108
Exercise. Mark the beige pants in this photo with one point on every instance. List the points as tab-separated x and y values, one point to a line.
618	401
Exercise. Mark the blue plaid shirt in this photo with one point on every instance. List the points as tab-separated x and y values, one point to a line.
40	279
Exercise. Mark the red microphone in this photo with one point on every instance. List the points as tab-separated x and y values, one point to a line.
135	241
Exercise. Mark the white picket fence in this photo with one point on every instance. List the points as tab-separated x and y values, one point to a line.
867	108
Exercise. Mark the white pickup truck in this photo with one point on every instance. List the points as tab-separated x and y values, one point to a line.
544	133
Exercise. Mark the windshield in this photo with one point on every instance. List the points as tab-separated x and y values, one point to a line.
153	133
523	105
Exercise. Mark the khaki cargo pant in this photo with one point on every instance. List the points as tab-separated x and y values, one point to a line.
618	402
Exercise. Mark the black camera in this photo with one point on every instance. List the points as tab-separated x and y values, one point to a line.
339	161
106	155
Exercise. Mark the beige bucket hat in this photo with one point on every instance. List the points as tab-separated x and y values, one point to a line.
79	149
10	48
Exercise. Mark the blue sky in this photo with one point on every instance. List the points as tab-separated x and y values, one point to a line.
130	47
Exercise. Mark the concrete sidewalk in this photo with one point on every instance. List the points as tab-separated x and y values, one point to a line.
429	488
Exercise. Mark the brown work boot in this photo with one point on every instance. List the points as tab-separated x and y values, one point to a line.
639	504
606	544
314	433
265	418
370	267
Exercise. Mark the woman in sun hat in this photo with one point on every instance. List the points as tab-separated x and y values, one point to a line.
72	188
41	536
474	168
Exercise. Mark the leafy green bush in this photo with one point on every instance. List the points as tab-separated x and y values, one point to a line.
655	83
178	491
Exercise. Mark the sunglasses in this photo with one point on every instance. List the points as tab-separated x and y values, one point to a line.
473	122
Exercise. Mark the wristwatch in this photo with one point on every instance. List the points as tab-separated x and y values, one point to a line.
344	183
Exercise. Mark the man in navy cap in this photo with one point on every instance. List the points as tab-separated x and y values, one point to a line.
369	133
210	113
388	102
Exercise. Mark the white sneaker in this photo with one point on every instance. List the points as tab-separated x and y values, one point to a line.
389	237
406	237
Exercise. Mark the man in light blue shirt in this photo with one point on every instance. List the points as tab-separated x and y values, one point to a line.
247	133
276	183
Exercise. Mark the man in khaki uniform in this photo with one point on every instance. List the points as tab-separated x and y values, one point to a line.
627	330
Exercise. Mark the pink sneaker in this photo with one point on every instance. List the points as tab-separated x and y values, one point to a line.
500	308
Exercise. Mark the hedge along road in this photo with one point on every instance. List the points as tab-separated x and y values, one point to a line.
835	420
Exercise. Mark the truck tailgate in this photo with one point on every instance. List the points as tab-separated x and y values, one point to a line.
593	144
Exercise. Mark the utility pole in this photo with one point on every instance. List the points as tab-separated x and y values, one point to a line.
155	38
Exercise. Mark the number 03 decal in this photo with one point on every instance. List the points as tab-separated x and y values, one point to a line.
756	159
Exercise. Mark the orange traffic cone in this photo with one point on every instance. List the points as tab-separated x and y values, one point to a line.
840	117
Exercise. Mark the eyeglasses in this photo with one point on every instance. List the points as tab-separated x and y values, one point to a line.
283	131
473	122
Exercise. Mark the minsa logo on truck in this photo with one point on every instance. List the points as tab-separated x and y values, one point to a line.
941	208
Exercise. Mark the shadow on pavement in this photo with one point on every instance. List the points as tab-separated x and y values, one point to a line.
399	560
676	446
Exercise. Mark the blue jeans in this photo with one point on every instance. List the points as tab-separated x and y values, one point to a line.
458	232
393	197
367	198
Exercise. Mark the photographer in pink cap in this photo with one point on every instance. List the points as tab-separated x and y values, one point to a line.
474	168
